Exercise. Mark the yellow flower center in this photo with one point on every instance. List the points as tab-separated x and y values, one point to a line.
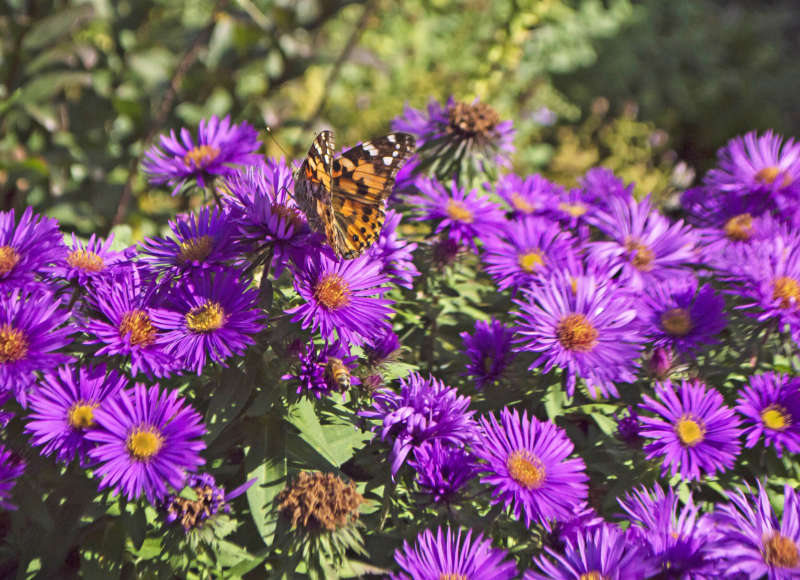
85	260
593	575
457	211
332	292
526	469
787	290
136	325
530	261
81	415
195	249
8	259
452	576
575	332
210	316
768	175
201	156
144	442
574	209
519	203
13	344
690	431
780	551
776	418
676	322
643	256
739	228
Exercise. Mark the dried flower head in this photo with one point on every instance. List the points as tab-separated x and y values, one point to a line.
320	501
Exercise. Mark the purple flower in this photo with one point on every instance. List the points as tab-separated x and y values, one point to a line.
202	241
771	407
27	248
678	316
677	541
601	184
342	297
395	253
146	440
629	427
123	304
31	333
423	410
313	371
453	555
644	246
527	465
693	430
11	467
219	149
604	552
211	500
526	249
462	215
530	195
62	409
383	349
88	261
489	351
210	315
583	326
442	469
269	216
752	541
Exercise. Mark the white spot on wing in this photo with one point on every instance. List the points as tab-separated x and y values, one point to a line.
388	160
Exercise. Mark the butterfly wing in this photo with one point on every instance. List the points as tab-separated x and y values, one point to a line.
312	185
362	178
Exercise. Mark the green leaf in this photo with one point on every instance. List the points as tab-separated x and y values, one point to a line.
265	460
51	28
333	442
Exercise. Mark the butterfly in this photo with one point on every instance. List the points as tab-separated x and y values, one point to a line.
343	197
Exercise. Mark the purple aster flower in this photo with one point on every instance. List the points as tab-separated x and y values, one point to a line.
574	210
761	172
383	349
644	246
423	410
722	244
85	262
313	370
661	363
604	552
527	465
766	277
752	541
526	249
678	541
530	195
463	215
583	519
123	304
210	315
62	409
770	405
212	499
395	253
458	131
27	248
693	429
676	315
269	216
442	469
489	351
31	333
219	149
629	427
453	555
204	240
582	326
146	440
342	297
601	183
11	467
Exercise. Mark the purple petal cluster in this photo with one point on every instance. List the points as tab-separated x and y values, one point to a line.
12	466
28	248
88	261
442	469
396	254
489	351
770	405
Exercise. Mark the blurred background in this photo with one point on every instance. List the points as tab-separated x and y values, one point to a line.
648	88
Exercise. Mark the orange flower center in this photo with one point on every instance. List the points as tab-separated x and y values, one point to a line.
530	261
780	551
201	156
739	228
13	344
575	332
519	203
144	442
81	415
787	290
593	575
690	431
287	214
768	175
195	249
452	576
643	256
210	316
136	325
677	321
332	292
574	209
457	211
526	469
776	418
85	260
8	259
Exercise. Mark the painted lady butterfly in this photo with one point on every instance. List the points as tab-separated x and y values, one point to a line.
343	197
